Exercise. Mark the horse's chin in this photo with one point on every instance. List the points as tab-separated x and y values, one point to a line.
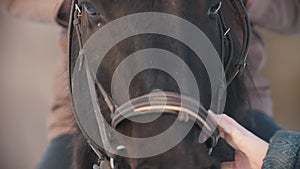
188	154
184	155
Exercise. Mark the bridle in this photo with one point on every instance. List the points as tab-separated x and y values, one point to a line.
184	107
228	41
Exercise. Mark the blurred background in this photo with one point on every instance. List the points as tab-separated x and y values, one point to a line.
29	54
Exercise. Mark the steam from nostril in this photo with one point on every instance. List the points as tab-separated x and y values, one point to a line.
153	102
156	107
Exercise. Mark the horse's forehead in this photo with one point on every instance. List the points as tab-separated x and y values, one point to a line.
172	6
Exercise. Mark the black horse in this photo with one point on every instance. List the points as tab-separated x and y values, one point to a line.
214	18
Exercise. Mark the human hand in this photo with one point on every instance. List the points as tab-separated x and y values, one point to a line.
249	149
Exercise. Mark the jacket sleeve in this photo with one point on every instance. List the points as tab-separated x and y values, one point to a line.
281	16
34	10
283	152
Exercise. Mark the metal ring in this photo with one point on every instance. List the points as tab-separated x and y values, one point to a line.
112	163
227	31
216	10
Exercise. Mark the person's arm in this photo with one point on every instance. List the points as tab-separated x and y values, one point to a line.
35	10
284	151
281	16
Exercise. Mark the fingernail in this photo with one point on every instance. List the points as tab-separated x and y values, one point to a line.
210	112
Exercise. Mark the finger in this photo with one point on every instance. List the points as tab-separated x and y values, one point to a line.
225	122
216	119
221	121
221	132
213	116
228	165
234	134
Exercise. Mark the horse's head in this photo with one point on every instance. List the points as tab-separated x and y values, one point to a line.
131	72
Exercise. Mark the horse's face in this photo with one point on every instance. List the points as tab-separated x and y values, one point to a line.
188	153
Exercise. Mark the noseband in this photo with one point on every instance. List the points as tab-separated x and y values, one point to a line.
183	107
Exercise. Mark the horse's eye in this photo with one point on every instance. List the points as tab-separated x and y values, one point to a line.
91	10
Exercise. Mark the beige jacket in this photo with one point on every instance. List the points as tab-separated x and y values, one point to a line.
35	10
282	16
278	15
60	119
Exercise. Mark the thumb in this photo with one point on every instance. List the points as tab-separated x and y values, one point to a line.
228	165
